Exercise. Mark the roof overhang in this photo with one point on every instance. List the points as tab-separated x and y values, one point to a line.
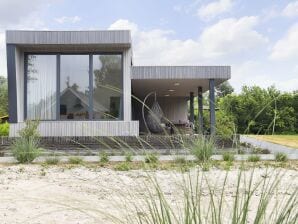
176	81
104	38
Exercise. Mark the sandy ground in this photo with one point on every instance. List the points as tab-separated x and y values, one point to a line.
58	194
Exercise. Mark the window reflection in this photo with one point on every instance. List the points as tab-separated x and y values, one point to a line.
41	87
107	87
74	91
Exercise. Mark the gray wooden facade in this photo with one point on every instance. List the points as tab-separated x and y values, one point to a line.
20	42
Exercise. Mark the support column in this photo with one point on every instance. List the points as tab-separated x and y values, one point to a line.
212	106
200	110
12	83
191	107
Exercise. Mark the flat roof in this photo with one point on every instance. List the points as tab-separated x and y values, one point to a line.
176	81
100	37
181	72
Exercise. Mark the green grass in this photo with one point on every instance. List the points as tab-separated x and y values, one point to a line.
103	157
151	158
281	157
52	160
253	158
75	160
128	157
125	166
286	140
202	148
228	156
180	160
203	201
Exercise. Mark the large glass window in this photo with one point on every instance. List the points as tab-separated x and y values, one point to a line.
74	87
107	87
41	87
78	99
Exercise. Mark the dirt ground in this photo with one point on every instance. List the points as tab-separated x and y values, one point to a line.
80	194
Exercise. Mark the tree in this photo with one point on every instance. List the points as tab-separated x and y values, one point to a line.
3	96
224	89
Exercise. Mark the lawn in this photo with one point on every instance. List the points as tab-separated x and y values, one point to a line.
286	140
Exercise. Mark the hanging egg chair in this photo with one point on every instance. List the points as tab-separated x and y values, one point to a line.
154	118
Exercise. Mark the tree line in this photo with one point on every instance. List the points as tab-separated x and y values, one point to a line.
257	110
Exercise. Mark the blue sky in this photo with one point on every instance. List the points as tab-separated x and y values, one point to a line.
259	39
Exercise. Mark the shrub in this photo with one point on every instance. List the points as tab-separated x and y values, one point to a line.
128	157
4	129
103	157
122	166
151	158
227	156
203	148
52	160
30	130
75	160
26	148
253	158
281	157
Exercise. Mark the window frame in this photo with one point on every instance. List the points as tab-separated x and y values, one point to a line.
58	76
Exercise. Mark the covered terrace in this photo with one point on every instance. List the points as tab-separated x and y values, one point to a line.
174	86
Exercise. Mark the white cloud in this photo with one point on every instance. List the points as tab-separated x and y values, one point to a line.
232	36
227	37
263	74
123	24
214	9
291	9
287	47
217	44
67	19
15	11
15	14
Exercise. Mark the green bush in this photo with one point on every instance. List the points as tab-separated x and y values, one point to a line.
225	126
26	148
254	158
4	129
103	157
151	158
128	157
281	157
75	160
203	148
228	156
122	166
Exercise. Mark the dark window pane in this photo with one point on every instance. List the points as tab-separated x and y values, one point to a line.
74	87
41	87
107	87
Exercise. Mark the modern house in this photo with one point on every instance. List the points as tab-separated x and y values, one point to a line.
84	83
